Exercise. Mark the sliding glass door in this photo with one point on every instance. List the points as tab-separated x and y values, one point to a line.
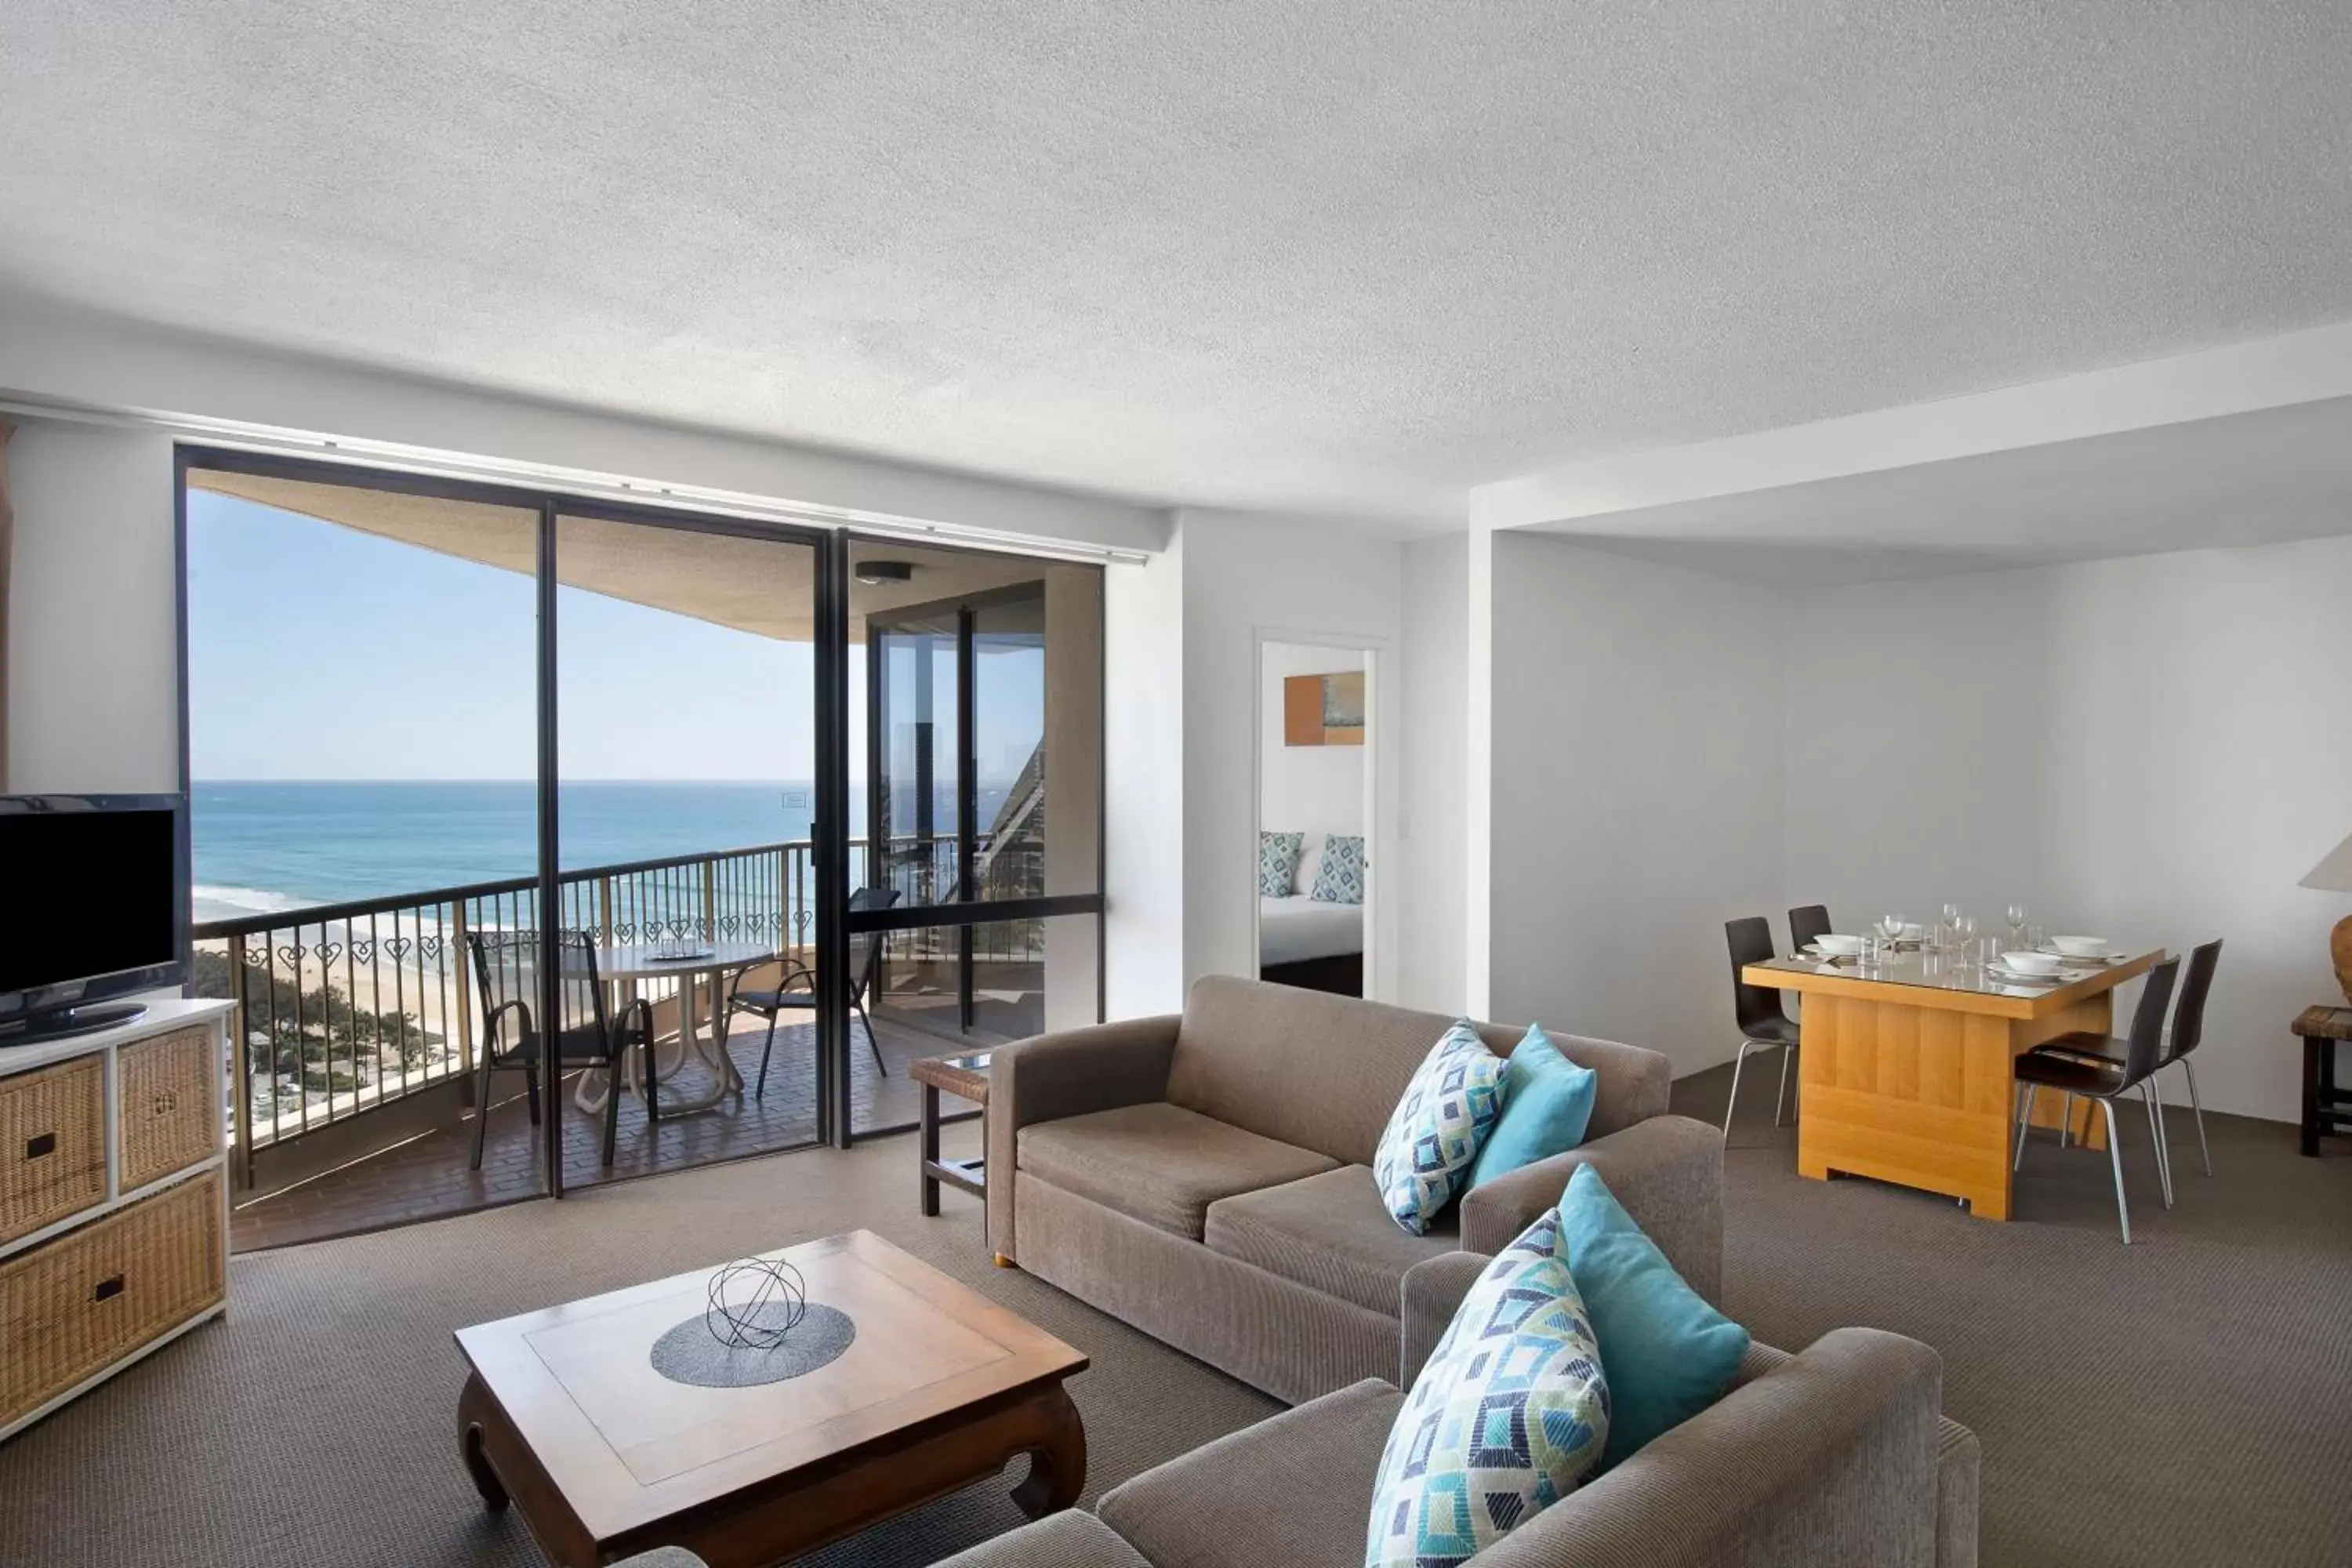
580	839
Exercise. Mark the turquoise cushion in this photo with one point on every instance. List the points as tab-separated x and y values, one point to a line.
1508	1416
1547	1105
1667	1354
1452	1104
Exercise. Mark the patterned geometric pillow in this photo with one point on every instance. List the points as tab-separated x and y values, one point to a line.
1277	864
1511	1413
1424	1154
1341	878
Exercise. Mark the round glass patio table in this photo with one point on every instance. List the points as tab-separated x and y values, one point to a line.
635	962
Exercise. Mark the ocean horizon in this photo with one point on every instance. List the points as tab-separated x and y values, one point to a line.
266	847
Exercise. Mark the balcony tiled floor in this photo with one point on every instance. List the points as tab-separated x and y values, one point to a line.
428	1176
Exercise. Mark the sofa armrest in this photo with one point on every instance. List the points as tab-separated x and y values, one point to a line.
1073	1073
1831	1459
1434	1288
1065	1539
1631	1083
1667	1172
1957	1456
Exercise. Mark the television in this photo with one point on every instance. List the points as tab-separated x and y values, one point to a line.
92	908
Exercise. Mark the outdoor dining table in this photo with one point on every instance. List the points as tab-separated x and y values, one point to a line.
1905	1063
631	962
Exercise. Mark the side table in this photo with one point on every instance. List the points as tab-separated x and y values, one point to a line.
2325	1107
966	1077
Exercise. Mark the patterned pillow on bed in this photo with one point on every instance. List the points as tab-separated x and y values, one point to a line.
1341	879
1277	864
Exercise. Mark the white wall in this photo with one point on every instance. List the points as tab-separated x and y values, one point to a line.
1432	885
1245	575
2152	749
1309	789
1143	785
1636	795
93	623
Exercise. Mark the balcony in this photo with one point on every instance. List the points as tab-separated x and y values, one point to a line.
354	1096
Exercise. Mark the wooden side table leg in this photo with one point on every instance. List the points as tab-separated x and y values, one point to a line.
2312	1047
927	1146
475	1406
1057	1466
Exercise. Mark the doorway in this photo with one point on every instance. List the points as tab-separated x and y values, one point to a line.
1316	769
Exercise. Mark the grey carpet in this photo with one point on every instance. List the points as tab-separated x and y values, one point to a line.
2184	1400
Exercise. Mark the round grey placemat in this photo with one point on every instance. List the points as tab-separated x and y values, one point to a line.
689	1353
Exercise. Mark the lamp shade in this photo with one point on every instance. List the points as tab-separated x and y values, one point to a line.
2333	874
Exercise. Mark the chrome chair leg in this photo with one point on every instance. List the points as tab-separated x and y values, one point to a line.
2115	1157
2025	1120
2066	1122
2198	1106
1733	1103
2155	1103
1781	1099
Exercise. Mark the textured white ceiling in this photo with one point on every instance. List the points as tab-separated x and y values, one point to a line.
2248	479
1341	257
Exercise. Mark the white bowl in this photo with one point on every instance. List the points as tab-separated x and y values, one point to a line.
1838	946
2080	946
2035	963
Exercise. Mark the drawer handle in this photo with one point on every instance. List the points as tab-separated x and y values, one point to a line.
46	1143
166	1103
106	1288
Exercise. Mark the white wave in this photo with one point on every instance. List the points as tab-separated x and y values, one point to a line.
220	903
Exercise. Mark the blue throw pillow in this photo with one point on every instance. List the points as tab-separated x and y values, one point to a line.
1340	879
1509	1414
1667	1354
1277	864
1547	1105
1423	1156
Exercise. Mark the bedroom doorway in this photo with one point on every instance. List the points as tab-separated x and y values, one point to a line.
1315	773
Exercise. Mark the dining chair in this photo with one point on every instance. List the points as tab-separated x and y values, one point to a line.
2064	1064
1762	1023
795	988
2188	1031
1806	923
506	971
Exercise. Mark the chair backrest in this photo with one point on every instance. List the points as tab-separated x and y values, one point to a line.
2143	1046
866	946
1807	921
2189	1013
505	970
1751	940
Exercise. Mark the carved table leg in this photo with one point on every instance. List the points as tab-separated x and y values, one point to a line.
476	1406
1057	1466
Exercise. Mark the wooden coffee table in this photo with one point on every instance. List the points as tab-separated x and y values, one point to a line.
564	1415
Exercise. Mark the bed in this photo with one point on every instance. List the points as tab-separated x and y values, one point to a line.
1312	943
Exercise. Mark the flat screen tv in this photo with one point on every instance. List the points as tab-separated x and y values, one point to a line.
91	909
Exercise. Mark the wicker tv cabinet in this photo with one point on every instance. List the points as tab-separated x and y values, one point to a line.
113	1201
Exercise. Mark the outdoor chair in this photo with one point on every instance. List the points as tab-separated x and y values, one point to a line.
505	970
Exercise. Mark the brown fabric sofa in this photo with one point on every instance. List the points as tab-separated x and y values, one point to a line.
1207	1177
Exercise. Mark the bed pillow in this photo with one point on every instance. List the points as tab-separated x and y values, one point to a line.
1547	1106
1424	1153
1508	1415
1667	1354
1277	864
1340	879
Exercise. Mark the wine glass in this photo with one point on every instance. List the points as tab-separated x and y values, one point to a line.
1964	932
1946	926
2016	925
1890	927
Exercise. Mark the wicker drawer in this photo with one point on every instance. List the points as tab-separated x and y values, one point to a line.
52	1144
168	1114
71	1307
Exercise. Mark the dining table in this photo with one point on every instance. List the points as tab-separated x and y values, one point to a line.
1906	1062
629	964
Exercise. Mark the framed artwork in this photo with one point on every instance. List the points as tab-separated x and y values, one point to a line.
1323	709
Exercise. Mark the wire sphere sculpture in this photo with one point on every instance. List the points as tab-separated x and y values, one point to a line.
754	1303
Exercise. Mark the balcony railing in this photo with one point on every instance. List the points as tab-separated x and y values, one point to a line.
348	1006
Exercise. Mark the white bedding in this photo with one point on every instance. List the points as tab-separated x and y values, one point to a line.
1296	928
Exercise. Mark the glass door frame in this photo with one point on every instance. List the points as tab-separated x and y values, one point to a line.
966	912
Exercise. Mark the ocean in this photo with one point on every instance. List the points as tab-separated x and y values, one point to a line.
263	848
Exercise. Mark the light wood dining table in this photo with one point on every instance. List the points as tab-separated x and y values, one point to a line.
1904	1064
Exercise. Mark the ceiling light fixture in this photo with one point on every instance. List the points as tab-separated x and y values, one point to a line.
879	574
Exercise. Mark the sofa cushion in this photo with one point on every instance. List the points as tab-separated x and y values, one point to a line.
1508	1415
1159	1163
1448	1109
1330	1232
1293	1489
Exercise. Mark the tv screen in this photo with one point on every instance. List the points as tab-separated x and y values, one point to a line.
92	890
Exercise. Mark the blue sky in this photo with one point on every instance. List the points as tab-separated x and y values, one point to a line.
319	652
